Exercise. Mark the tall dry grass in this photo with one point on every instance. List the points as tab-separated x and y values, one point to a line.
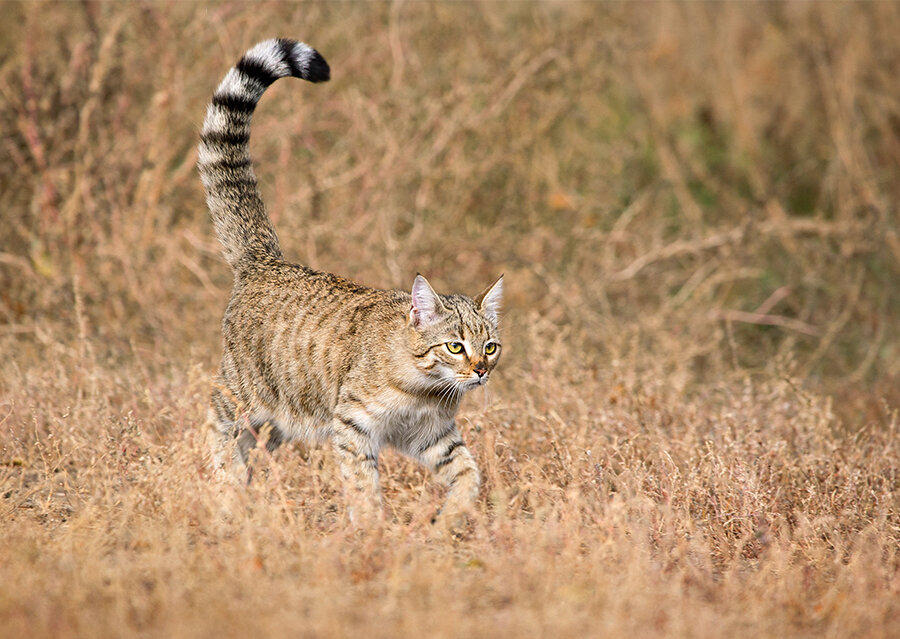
693	430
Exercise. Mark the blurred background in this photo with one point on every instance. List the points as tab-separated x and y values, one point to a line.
679	194
693	429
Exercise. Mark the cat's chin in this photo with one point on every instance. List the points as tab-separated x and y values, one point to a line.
471	384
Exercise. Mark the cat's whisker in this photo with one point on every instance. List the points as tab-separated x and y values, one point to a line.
458	393
449	394
443	390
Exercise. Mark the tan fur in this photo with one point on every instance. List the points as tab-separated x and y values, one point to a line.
313	356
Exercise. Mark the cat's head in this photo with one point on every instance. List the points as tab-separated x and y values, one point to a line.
456	341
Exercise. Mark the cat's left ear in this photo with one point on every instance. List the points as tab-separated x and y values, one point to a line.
490	299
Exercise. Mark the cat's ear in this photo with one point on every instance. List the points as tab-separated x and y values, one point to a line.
426	306
490	299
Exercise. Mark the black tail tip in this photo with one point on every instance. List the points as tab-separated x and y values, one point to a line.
317	69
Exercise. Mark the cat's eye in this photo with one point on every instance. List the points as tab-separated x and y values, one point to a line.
490	348
455	347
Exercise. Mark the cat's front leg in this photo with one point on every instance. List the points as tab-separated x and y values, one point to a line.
358	456
453	465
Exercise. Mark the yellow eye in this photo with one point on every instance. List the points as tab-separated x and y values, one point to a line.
455	347
490	348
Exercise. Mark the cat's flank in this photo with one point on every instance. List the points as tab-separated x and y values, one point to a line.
311	355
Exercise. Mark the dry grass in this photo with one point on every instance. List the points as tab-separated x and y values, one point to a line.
692	432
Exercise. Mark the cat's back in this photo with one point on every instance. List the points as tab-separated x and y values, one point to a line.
280	304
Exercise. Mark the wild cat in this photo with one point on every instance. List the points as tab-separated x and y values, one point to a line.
310	355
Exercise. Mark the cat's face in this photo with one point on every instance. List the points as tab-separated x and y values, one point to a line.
457	341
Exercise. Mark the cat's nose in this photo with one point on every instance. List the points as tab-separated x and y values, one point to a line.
480	370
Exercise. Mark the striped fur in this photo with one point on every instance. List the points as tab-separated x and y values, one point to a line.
314	356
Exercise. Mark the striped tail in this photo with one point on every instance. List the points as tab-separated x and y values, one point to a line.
232	194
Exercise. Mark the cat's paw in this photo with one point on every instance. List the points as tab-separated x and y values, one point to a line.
455	524
364	516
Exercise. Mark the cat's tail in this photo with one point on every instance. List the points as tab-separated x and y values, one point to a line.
237	209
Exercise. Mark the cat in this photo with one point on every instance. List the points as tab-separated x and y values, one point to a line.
313	356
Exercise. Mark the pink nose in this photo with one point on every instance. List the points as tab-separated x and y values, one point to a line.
481	372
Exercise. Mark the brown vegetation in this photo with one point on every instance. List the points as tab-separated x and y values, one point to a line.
692	432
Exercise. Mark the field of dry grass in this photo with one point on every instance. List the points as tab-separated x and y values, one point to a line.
694	429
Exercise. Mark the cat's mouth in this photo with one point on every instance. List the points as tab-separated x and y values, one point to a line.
469	383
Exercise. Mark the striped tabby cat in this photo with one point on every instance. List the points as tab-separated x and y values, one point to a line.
311	355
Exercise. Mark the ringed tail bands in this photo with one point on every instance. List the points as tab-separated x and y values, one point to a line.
232	194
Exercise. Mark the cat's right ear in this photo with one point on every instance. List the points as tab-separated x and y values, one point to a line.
426	306
489	300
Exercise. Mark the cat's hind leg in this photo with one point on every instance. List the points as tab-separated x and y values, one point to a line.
233	438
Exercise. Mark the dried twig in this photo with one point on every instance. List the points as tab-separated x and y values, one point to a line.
766	320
